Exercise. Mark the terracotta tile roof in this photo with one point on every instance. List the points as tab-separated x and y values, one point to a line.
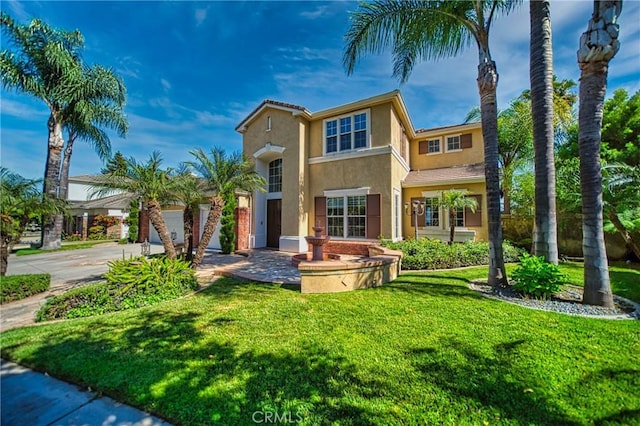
269	102
452	126
430	177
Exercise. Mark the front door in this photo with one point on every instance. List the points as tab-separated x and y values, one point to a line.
274	227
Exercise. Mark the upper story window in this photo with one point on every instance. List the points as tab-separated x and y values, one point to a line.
453	143
268	123
346	133
433	146
275	175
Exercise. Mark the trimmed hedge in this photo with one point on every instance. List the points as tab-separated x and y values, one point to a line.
16	287
130	284
435	254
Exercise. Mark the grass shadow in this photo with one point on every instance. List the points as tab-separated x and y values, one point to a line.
162	362
490	379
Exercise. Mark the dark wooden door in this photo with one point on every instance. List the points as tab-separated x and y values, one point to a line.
274	223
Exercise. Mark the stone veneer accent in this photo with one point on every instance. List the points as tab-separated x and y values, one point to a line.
380	267
353	248
241	217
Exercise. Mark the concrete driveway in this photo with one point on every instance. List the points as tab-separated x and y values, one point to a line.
68	269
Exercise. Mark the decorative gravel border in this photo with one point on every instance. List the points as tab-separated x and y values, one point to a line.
568	302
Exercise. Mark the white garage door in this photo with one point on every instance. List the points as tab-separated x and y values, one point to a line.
173	219
215	239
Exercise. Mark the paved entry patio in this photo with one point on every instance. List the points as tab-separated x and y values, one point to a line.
258	265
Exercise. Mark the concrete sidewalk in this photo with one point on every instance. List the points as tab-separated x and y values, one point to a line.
35	399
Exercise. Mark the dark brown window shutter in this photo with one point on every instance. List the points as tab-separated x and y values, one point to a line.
465	141
423	147
321	212
471	218
420	216
373	216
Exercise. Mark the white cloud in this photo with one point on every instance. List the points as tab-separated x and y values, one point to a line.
315	13
18	11
23	109
200	16
165	84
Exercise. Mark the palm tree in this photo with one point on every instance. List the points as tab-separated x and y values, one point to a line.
20	202
147	182
545	238
100	107
223	173
189	190
436	29
46	63
598	45
453	201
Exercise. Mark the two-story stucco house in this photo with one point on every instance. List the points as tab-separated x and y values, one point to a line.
354	169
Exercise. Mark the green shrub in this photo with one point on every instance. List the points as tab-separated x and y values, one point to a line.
16	287
228	224
123	241
536	277
435	254
133	220
130	284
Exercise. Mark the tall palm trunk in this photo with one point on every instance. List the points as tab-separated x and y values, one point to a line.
155	217
598	45
52	224
545	239
452	225
4	254
187	220
215	212
487	83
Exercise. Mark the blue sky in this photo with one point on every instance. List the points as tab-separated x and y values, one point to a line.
194	70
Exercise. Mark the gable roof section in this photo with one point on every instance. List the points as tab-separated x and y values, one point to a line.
467	173
394	97
118	201
268	103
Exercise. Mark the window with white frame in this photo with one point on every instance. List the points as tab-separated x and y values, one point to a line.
460	217
346	133
453	143
347	216
275	175
431	212
433	146
397	220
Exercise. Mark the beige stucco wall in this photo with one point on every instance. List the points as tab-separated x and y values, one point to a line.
472	155
380	117
291	133
473	188
375	172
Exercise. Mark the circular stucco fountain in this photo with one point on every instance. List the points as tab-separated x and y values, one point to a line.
332	273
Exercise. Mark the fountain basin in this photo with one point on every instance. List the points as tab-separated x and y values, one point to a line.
308	257
348	273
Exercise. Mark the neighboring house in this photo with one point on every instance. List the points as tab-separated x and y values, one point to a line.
353	169
84	208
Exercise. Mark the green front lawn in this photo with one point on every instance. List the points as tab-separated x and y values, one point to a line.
71	245
422	350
